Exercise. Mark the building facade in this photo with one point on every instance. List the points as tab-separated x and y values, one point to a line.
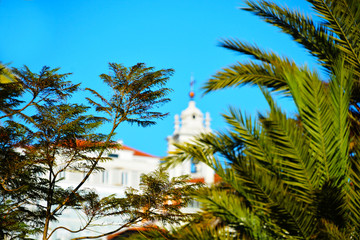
121	172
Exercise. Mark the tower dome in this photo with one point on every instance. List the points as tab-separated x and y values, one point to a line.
192	120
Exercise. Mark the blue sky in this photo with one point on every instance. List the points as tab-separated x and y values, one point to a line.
83	36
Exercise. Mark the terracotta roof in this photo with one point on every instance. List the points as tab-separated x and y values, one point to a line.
86	144
196	180
82	143
137	152
217	178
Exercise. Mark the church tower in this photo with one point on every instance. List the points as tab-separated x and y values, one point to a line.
190	123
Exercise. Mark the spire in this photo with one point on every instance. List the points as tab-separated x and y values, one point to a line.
191	93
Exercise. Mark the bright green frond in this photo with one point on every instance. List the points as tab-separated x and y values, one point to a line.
312	100
315	37
340	90
232	209
269	72
343	19
291	147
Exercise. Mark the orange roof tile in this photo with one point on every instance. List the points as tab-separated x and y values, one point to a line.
217	178
196	180
83	143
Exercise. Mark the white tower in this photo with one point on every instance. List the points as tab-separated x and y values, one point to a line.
190	124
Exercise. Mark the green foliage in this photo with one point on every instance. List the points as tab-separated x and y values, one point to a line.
22	188
137	90
187	232
6	75
159	199
44	134
334	36
46	87
290	178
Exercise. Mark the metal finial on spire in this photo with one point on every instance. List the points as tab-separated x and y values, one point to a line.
192	82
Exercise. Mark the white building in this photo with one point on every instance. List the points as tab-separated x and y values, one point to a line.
123	171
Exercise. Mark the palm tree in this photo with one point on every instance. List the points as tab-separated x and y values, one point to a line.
336	34
287	181
291	180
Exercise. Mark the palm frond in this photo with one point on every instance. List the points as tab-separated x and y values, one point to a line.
315	37
6	76
234	212
312	100
295	161
352	190
342	18
340	90
332	232
269	72
242	74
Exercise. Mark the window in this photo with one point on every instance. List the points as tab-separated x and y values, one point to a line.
124	178
194	166
105	177
113	155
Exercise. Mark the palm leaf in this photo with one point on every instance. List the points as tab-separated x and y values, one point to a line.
234	213
340	91
342	18
315	37
292	147
312	101
269	72
352	190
